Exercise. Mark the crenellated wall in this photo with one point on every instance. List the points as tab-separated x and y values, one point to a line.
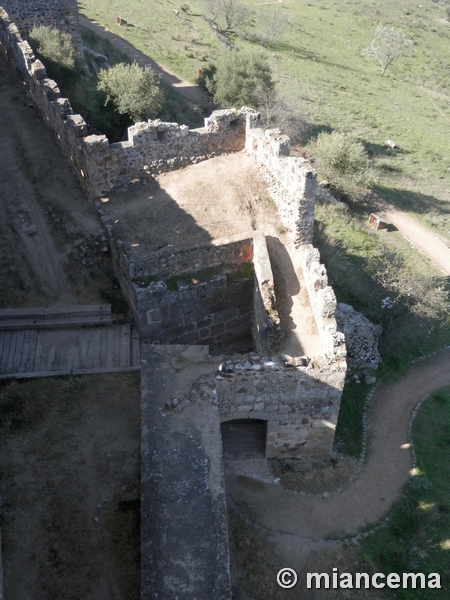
292	180
152	146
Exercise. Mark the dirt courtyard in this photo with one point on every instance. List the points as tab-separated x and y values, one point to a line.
217	198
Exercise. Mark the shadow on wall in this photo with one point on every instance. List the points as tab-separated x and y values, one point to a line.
286	283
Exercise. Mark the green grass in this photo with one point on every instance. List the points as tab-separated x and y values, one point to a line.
365	267
417	537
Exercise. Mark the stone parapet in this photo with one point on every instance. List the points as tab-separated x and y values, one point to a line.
292	181
323	303
151	147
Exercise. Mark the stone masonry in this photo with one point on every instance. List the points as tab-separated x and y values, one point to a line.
62	14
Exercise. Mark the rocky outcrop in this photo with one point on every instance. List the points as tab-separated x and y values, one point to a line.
361	337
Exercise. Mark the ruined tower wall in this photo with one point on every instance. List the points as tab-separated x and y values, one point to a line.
291	178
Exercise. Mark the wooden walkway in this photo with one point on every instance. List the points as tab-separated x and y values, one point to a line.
49	352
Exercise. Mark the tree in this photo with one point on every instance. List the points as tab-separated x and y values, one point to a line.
55	46
133	90
283	114
273	24
388	45
239	77
226	15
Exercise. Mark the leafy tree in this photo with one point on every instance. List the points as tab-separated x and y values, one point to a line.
239	78
388	45
132	89
344	162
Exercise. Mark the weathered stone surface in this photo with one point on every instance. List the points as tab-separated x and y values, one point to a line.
292	181
361	337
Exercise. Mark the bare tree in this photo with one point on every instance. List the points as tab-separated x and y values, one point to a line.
388	45
226	15
273	24
278	113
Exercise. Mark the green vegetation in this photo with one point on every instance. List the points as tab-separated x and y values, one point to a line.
55	47
417	537
343	162
78	80
317	63
238	79
133	90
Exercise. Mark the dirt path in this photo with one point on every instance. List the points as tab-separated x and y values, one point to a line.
50	239
422	238
274	527
182	86
381	479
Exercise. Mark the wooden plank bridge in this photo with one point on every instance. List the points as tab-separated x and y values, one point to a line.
73	340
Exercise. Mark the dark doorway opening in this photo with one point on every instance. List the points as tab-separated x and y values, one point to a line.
243	436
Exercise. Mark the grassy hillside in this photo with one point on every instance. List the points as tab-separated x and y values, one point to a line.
318	62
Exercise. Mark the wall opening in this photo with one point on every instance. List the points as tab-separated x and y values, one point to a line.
243	436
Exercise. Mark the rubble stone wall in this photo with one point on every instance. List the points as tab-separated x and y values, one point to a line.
300	405
62	14
323	303
293	182
215	312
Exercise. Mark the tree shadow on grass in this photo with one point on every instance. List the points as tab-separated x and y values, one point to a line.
414	201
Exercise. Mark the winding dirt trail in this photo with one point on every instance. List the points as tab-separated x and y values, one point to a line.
422	238
380	481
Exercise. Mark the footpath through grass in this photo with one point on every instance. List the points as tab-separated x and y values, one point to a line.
417	537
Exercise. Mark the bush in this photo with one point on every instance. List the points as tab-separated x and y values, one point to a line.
55	46
343	162
133	90
239	78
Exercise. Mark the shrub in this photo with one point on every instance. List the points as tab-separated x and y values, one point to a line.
343	162
238	79
55	46
133	90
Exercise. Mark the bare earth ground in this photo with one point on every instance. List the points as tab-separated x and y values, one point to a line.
69	447
422	238
70	472
50	240
216	198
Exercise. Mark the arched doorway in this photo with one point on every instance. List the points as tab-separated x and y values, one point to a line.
243	436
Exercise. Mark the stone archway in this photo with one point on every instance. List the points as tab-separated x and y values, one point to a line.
243	436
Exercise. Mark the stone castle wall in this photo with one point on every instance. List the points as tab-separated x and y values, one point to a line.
292	181
62	14
266	329
151	146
